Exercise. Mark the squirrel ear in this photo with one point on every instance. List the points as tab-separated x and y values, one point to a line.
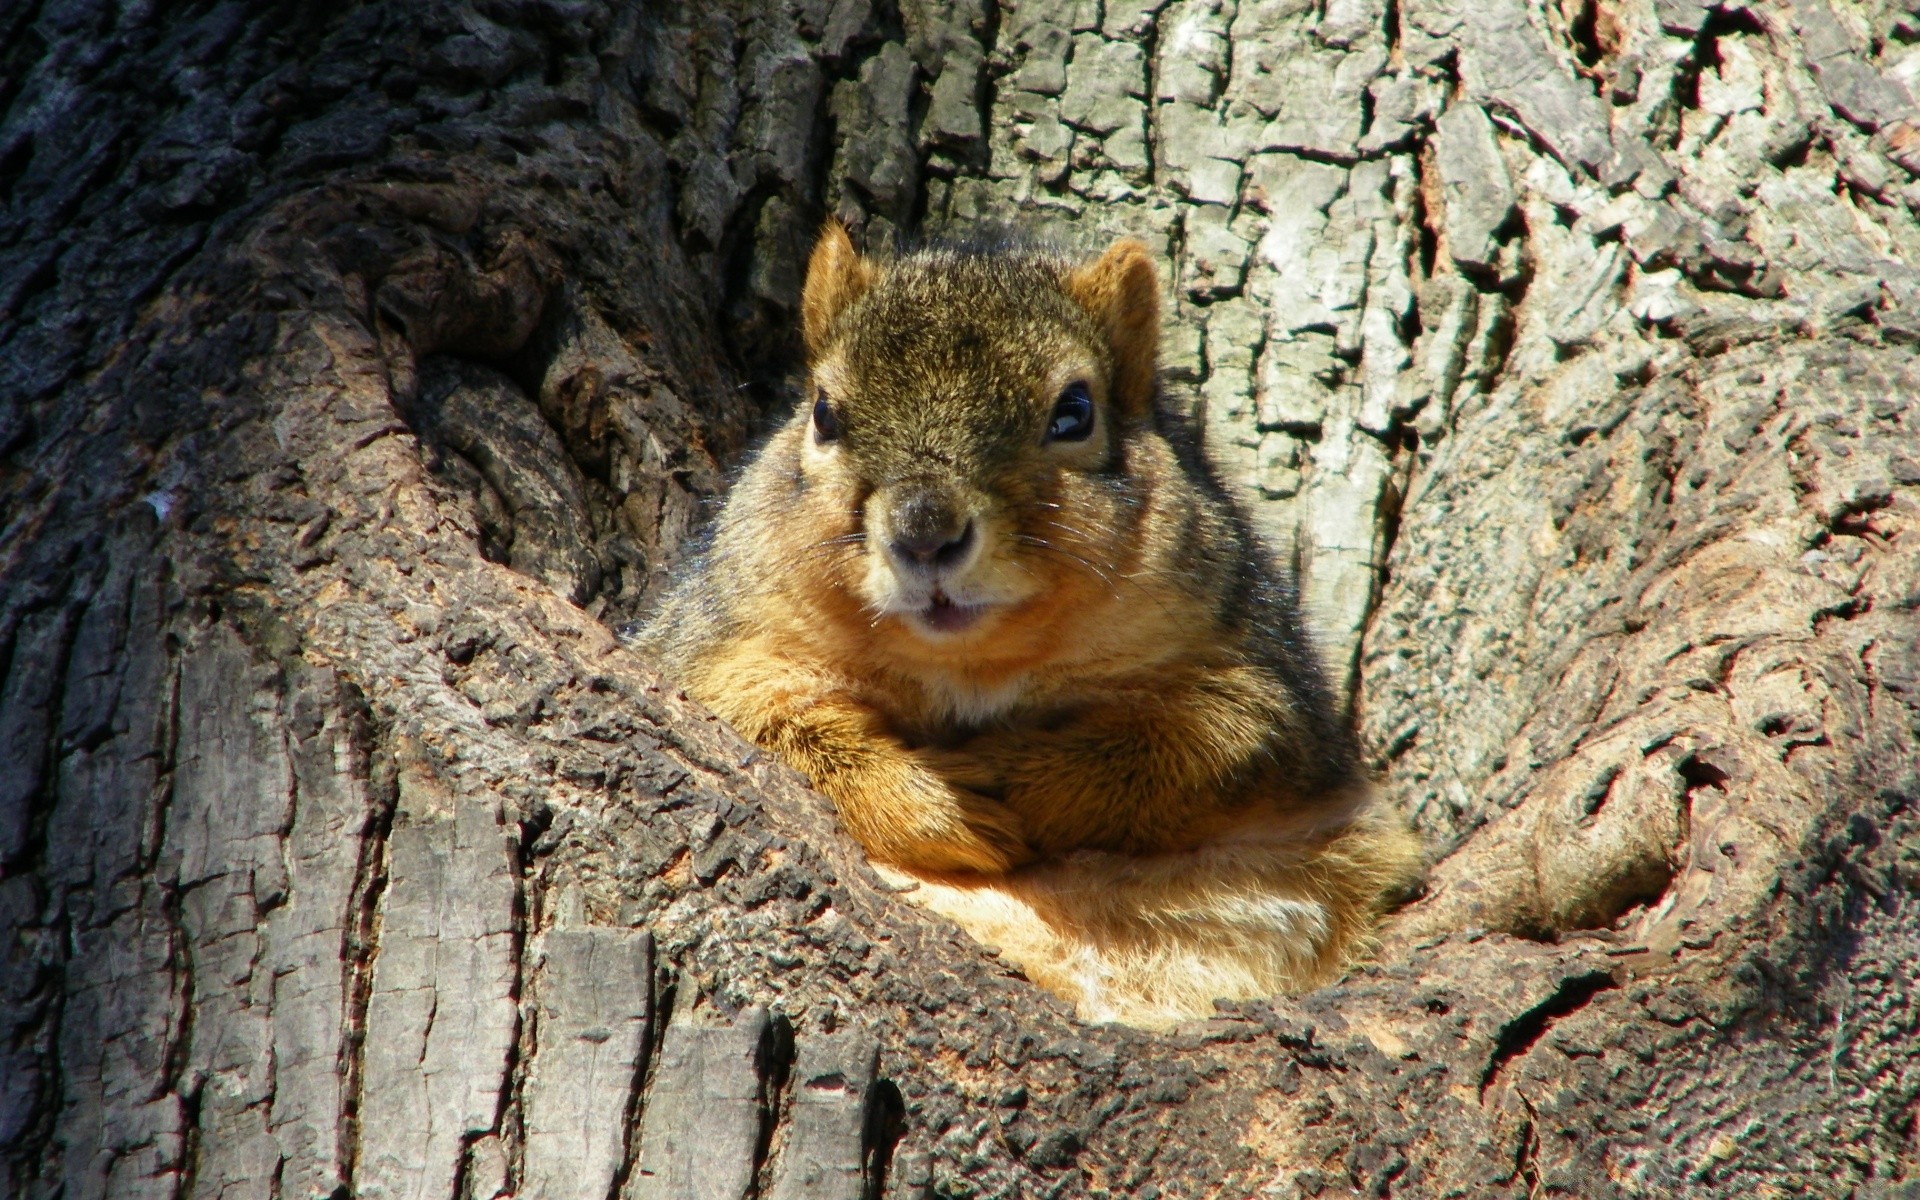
836	277
1121	290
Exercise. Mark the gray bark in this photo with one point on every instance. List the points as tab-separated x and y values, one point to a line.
363	368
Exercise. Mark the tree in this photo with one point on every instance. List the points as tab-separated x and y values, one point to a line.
362	369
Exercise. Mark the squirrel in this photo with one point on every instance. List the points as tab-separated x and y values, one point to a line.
985	591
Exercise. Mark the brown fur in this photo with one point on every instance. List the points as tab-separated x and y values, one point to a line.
1122	766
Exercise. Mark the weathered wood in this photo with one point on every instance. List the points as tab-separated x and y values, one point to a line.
441	1018
706	1114
232	801
831	1148
594	1008
118	1116
308	957
26	716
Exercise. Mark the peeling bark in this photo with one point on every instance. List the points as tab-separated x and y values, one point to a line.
363	370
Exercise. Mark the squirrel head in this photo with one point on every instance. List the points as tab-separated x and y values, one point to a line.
967	430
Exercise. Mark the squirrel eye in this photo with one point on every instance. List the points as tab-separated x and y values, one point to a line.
826	426
1072	418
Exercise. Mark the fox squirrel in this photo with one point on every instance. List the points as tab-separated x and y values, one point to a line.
984	590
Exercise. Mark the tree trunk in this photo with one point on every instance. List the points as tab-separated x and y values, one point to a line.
363	367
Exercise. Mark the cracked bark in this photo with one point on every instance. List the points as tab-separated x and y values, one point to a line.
362	370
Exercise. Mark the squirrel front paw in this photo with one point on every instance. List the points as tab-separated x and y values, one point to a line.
990	840
915	819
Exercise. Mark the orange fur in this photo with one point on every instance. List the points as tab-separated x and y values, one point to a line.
1122	290
836	277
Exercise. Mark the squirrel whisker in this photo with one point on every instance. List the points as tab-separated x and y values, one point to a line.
1043	544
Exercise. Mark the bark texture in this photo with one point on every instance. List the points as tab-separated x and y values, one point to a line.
363	366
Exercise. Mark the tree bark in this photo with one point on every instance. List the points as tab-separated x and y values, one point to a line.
363	367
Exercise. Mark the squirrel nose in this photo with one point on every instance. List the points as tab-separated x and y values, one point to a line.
935	548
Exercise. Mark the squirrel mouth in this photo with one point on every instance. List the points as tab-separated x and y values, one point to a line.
944	615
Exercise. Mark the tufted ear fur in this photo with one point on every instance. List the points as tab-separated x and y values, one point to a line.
836	277
1122	291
